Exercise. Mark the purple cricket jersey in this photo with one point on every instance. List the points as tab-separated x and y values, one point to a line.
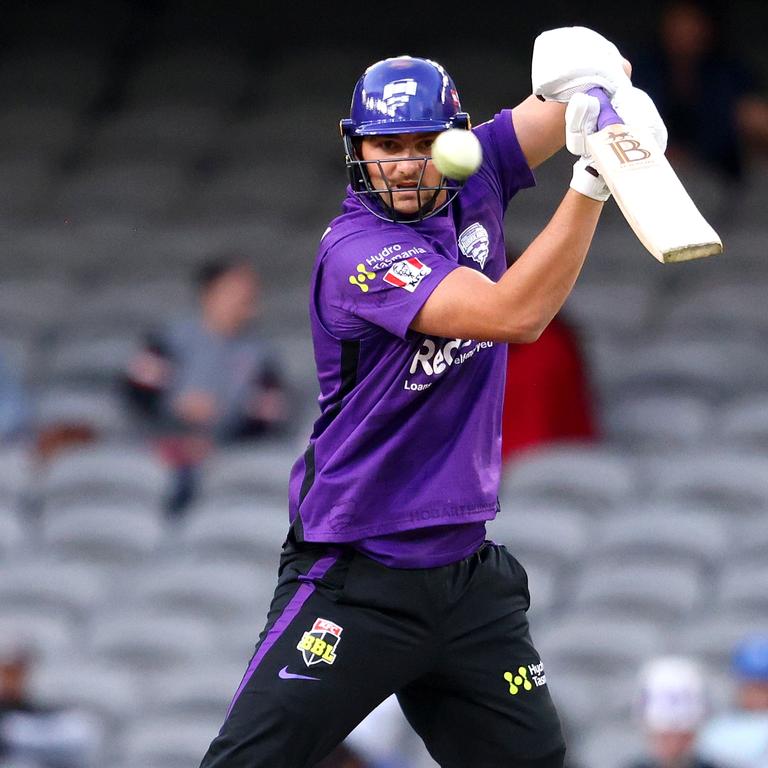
404	461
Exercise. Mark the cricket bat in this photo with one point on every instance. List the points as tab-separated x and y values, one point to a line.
651	197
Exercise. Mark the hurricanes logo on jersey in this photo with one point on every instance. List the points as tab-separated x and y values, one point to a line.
320	643
474	243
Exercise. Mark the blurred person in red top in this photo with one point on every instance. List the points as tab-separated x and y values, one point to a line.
546	396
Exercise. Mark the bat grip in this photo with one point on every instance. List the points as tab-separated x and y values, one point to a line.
608	115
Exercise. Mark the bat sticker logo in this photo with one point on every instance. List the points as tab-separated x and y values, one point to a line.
627	149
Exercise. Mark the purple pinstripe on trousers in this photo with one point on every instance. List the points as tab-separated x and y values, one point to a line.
305	590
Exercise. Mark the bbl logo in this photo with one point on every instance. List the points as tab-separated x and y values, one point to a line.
320	642
627	149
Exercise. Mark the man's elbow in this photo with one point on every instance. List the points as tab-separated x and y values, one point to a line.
524	331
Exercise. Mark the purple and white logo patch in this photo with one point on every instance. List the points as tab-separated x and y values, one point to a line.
474	243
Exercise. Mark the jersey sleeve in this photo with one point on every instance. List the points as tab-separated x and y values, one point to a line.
504	166
359	289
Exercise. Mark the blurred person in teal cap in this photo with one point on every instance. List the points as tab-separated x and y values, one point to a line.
739	738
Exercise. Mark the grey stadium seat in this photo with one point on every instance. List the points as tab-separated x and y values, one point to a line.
193	76
608	745
559	535
105	472
15	474
708	368
595	644
638	590
70	589
743	589
715	479
247	530
33	306
99	408
156	132
590	477
258	471
721	306
544	586
76	681
743	423
23	186
200	692
658	421
144	643
146	190
47	635
89	361
36	131
130	306
712	636
583	698
218	591
235	640
14	534
103	534
749	539
262	189
617	308
663	535
50	77
168	742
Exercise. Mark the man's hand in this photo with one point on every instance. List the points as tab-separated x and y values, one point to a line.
197	408
580	121
572	60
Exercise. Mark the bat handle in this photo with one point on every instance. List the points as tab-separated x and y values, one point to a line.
608	115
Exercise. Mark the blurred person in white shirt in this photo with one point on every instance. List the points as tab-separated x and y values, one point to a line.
672	707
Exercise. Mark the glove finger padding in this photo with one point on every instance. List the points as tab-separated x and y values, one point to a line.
572	60
588	181
635	107
580	120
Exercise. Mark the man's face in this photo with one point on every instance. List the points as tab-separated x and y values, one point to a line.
753	695
231	302
672	748
404	153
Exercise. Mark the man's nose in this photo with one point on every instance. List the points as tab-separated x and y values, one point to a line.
411	163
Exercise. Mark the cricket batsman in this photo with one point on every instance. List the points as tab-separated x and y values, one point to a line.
387	583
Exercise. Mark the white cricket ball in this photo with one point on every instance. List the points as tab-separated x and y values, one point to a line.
457	153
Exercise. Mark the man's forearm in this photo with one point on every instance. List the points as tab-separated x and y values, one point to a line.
536	286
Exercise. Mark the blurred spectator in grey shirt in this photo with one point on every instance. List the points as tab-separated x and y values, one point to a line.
210	378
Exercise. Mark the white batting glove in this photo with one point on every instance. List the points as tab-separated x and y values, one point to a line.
635	107
572	60
580	121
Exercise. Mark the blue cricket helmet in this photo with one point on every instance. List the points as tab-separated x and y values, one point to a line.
403	94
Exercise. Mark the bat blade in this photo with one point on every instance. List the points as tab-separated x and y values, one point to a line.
651	196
